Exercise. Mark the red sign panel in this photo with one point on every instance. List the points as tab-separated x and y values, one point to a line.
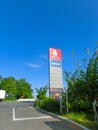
55	54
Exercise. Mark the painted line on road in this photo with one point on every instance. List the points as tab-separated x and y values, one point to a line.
13	114
29	118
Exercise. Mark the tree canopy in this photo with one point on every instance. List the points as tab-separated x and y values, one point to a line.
41	92
83	85
16	88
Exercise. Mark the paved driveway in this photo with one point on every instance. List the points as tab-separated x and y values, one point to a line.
22	116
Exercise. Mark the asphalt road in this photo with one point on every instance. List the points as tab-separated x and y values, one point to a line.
22	116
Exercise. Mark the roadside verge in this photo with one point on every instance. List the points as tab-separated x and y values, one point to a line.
63	118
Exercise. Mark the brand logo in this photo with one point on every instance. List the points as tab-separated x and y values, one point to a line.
55	54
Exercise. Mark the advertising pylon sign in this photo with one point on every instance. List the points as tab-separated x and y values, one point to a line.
55	72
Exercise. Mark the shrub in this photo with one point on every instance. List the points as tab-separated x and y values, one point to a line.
48	104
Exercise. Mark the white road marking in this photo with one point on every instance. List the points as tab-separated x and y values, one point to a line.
13	114
33	118
29	118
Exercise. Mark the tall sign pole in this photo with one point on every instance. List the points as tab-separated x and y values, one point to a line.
55	74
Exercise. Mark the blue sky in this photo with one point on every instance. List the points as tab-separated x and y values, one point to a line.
29	27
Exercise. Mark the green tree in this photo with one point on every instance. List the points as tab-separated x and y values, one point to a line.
92	77
9	85
83	85
1	78
41	92
23	89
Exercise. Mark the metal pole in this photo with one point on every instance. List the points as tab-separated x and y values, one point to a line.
67	99
61	104
95	111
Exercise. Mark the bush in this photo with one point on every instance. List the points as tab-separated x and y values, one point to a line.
10	99
48	104
38	103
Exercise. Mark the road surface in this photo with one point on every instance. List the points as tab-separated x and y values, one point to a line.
22	116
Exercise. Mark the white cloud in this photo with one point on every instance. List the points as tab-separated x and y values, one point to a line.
33	65
44	57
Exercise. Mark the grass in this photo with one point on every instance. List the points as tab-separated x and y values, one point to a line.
83	119
9	99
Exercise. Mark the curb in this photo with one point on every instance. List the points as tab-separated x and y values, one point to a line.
21	100
63	118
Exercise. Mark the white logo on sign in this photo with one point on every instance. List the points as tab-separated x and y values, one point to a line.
55	53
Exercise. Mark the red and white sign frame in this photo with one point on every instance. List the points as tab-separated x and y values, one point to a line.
55	54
